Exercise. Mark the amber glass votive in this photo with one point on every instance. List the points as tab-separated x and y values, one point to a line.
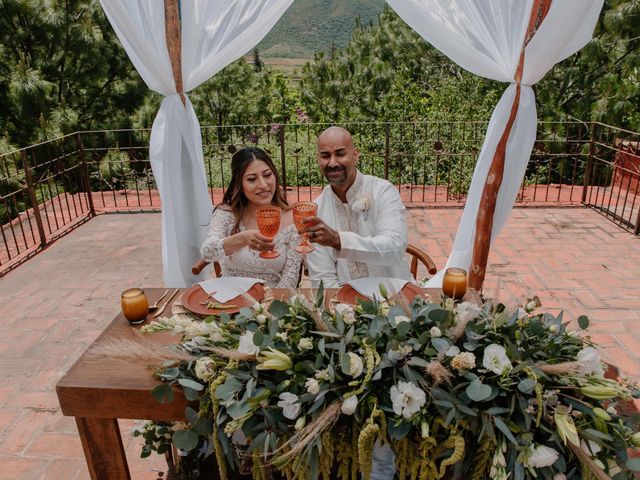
135	305
454	283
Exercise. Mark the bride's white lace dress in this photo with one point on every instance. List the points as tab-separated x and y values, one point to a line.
280	272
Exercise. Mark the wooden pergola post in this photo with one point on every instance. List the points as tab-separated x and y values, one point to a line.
174	42
487	207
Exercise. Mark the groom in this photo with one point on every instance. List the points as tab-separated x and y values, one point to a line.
360	229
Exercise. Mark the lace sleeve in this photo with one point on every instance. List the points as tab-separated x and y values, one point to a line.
291	269
219	229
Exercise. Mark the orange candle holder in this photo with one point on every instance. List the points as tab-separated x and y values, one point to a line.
454	283
135	305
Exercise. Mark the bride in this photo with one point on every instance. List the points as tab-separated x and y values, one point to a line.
234	240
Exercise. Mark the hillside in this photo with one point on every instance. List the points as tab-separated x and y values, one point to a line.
311	26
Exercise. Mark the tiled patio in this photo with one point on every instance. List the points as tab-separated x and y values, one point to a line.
54	305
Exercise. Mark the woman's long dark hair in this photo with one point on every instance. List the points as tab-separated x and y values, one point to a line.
234	197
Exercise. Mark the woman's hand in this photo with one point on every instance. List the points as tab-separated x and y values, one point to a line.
320	233
256	241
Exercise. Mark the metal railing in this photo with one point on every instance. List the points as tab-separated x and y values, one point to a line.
74	177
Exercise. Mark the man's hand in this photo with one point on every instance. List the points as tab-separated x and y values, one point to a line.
320	233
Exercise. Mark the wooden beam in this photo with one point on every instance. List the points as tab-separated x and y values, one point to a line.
174	42
487	207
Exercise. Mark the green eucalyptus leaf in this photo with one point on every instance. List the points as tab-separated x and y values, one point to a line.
399	431
583	322
192	384
634	464
279	308
190	414
440	344
505	429
185	439
190	394
527	385
162	393
478	391
228	389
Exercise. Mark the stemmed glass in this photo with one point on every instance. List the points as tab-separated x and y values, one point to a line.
268	219
302	210
454	283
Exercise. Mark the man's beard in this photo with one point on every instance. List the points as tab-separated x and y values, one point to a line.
336	180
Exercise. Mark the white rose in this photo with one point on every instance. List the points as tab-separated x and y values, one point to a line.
346	312
355	364
246	344
305	344
435	332
495	359
467	311
407	399
349	405
590	362
205	369
542	456
312	385
289	405
559	476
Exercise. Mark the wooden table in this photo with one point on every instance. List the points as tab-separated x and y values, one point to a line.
99	392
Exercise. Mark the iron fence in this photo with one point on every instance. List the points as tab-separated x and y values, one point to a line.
72	178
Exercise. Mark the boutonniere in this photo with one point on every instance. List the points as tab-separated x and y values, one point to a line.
362	206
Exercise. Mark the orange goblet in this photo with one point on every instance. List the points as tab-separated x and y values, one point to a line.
302	210
454	283
268	219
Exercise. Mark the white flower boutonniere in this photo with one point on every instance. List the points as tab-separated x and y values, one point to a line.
362	206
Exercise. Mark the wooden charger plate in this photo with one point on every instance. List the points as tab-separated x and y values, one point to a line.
193	297
347	294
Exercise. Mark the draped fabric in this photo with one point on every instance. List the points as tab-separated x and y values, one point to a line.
214	34
485	37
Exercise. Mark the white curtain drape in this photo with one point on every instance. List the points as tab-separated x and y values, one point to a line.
214	34
485	37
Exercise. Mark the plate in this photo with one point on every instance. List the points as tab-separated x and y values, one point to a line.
193	297
347	294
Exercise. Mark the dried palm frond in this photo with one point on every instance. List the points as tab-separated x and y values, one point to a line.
563	368
586	460
438	372
309	433
139	350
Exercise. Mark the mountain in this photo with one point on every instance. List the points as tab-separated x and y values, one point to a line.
310	26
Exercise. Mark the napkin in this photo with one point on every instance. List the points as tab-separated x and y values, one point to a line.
224	289
370	286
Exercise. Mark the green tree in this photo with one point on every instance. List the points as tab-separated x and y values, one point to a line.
62	68
602	81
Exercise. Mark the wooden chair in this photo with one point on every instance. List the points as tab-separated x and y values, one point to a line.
420	256
417	256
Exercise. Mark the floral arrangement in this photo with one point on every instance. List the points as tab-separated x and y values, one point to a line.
455	390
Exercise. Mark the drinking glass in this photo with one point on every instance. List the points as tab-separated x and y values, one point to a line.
135	305
454	283
301	210
268	219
